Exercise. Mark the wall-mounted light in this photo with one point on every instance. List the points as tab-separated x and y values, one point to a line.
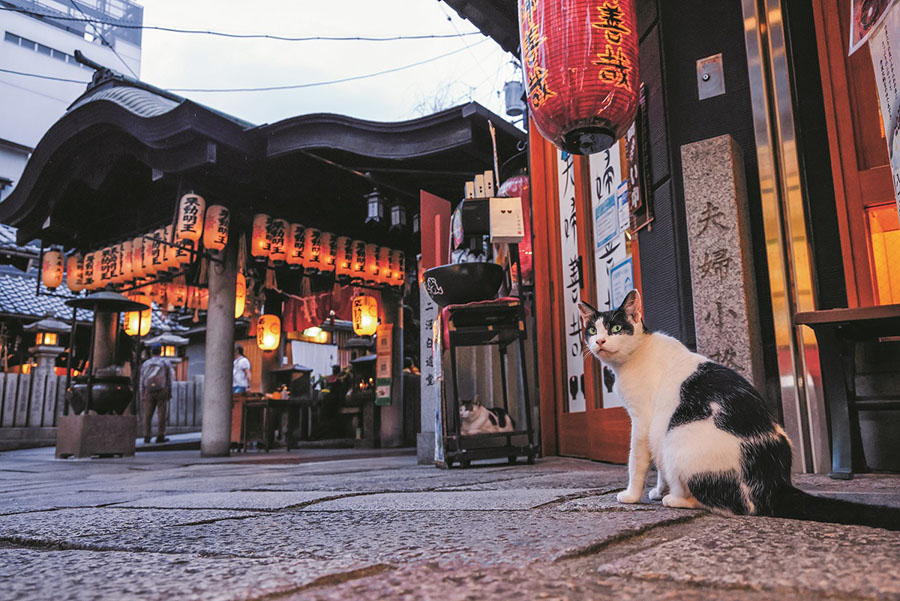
415	223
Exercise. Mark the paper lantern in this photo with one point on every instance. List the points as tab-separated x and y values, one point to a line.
184	253
88	272
293	246
276	235
358	264
327	252
343	258
371	276
384	265
398	267
398	217
215	227
268	332
158	252
127	269
177	293
169	250
365	315
375	207
137	323
137	259
75	273
312	247
259	239
52	269
581	70
240	295
189	221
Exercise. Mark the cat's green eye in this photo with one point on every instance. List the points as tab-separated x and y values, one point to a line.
591	331
616	329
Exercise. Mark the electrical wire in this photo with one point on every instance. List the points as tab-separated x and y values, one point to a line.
105	41
330	82
265	36
271	88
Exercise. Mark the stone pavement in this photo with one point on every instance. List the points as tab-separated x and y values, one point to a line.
319	524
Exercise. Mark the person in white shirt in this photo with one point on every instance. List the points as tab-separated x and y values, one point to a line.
240	371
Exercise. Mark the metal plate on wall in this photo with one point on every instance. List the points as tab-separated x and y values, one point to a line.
710	76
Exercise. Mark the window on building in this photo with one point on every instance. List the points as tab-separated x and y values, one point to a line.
45	50
884	249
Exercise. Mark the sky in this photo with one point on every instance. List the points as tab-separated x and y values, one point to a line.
175	60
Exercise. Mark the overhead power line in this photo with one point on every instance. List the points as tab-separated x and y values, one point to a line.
273	88
225	34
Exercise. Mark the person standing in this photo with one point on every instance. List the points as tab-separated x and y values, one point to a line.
240	371
157	377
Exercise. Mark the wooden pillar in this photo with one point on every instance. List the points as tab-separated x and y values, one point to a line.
215	437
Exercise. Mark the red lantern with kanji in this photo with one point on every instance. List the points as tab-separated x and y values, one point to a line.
581	70
328	250
276	237
294	246
215	227
189	221
52	269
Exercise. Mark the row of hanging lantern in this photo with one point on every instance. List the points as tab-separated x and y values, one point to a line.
279	243
157	253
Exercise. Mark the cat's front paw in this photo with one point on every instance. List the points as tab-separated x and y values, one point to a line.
656	494
627	496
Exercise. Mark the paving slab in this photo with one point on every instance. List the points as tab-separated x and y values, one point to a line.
474	500
31	575
772	554
78	525
486	537
243	500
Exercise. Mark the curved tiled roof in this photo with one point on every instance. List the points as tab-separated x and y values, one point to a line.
138	101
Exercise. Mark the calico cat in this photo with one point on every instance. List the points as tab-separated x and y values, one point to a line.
475	419
705	427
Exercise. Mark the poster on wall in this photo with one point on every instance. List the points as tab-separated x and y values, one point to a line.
572	282
865	17
884	45
610	244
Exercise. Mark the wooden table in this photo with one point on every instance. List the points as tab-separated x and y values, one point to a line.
837	332
271	410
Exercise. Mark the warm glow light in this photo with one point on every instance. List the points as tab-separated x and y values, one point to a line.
276	236
259	241
240	295
177	292
137	323
52	269
365	315
169	250
384	265
91	271
75	273
884	249
46	339
158	252
137	259
312	332
189	222
328	246
343	258
293	246
183	253
127	270
268	332
168	351
215	227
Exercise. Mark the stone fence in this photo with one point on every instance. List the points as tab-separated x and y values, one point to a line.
30	405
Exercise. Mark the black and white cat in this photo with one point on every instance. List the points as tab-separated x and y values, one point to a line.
713	441
476	419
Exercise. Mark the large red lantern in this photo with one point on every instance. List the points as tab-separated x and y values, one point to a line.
581	70
518	185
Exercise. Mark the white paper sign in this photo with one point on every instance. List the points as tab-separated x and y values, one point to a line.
884	46
610	248
571	282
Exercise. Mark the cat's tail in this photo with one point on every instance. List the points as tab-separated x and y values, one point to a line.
797	505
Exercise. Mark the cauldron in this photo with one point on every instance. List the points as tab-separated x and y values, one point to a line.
463	283
111	394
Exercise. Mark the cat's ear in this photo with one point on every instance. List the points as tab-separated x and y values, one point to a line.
586	310
633	307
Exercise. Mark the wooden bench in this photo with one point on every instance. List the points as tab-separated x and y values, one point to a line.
837	332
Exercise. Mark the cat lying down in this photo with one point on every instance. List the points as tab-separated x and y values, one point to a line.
705	427
476	419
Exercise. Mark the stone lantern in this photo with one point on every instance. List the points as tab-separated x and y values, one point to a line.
47	345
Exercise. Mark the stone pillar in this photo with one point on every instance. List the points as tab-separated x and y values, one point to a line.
430	386
215	437
725	302
105	325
